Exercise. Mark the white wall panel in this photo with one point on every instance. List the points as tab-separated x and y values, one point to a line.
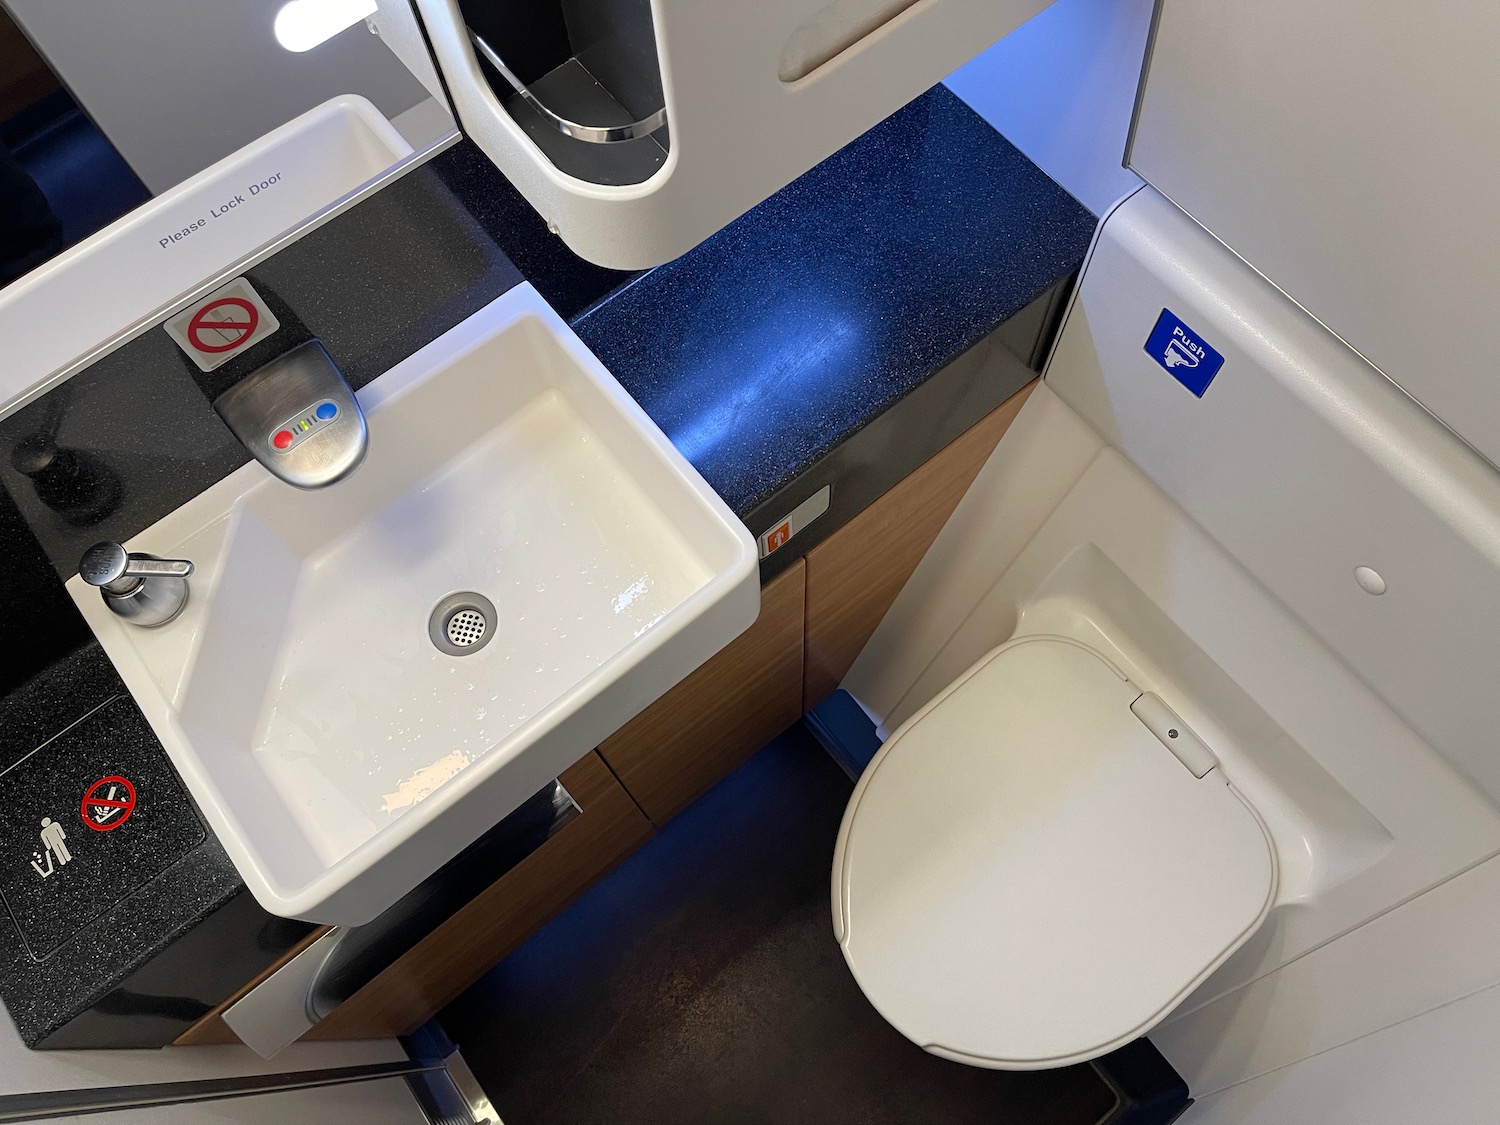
1437	1069
1304	464
1349	153
1431	950
1061	88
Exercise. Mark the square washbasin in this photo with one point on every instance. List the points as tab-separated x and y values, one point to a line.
342	745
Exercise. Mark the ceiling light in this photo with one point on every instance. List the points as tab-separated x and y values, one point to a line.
302	24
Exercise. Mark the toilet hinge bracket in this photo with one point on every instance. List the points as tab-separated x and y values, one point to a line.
1174	734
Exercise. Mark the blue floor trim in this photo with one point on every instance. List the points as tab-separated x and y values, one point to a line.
845	731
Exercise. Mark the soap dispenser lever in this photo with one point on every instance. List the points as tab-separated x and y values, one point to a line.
141	588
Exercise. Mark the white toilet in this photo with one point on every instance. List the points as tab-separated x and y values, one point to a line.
1035	869
1041	862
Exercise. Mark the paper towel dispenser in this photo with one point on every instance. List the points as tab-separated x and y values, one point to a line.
639	127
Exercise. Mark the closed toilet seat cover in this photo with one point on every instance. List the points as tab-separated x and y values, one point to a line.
1027	877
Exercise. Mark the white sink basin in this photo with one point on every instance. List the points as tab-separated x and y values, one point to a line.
340	757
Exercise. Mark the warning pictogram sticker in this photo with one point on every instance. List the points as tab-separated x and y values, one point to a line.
794	521
108	803
222	325
215	329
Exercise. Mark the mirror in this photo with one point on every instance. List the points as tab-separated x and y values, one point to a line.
113	114
103	106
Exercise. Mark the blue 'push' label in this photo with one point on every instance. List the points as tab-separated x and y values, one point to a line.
1183	353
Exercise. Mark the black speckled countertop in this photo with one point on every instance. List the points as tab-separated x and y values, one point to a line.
45	987
780	336
758	353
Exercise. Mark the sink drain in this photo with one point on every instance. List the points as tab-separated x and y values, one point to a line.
462	623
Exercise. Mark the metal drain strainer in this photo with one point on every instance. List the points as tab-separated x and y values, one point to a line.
462	623
466	627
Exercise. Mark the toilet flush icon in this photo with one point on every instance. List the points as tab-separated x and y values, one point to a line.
1178	354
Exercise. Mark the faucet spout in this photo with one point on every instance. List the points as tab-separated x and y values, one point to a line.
298	417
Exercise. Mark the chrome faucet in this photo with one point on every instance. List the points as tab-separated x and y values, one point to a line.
297	417
143	589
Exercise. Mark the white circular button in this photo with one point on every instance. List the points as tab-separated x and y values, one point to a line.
1369	580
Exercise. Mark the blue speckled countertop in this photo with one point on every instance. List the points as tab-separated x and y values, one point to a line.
781	335
758	353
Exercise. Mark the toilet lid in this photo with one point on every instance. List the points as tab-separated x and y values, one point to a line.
1027	877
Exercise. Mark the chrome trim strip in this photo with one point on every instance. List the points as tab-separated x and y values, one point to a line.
68	1103
476	1101
594	134
1140	86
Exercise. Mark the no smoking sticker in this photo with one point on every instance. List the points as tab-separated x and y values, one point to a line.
223	324
107	803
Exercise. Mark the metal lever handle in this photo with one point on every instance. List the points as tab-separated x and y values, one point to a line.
110	567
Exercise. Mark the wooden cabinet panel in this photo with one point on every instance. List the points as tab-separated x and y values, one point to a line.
854	575
444	963
715	719
439	967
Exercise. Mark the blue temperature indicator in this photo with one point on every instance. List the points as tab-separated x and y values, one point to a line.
327	411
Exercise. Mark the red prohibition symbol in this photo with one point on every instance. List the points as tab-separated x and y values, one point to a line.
107	804
236	321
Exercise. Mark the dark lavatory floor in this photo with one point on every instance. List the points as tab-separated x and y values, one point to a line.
700	984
